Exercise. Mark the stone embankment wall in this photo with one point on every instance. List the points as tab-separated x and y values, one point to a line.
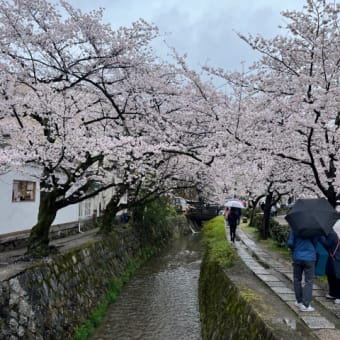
225	311
53	297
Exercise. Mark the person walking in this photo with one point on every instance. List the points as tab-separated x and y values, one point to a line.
239	213
225	215
331	242
304	257
233	218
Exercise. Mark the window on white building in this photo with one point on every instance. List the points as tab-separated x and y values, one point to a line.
23	191
85	208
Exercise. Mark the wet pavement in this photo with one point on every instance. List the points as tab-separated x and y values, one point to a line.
276	273
11	262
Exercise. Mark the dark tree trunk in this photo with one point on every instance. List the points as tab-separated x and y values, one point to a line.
266	215
109	215
253	209
38	241
332	196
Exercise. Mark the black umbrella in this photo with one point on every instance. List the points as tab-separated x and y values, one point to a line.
312	217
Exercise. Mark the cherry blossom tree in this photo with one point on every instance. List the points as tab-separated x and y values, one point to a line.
90	107
298	82
290	98
249	166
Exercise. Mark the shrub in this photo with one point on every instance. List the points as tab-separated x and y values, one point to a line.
246	212
154	220
279	233
257	222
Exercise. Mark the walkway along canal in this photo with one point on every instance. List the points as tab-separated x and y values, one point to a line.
161	300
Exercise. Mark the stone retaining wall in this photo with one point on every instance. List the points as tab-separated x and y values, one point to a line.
235	304
51	298
225	312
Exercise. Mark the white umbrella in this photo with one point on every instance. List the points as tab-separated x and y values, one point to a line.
235	204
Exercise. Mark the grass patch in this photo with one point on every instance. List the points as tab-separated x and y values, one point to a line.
219	249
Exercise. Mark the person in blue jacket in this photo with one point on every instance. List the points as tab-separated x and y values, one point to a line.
304	257
331	243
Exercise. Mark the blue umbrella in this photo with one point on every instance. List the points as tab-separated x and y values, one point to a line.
312	217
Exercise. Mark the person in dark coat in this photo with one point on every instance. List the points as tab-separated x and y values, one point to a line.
233	220
239	213
304	257
331	243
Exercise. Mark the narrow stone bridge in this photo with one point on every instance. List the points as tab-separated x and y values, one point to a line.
199	212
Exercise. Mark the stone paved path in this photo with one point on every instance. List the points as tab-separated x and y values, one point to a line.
277	275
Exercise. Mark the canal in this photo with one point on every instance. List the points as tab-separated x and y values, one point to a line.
161	300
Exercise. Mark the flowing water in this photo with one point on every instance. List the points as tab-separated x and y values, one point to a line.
161	301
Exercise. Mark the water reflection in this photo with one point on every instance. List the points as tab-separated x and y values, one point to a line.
161	301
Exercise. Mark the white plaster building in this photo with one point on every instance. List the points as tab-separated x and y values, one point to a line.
19	203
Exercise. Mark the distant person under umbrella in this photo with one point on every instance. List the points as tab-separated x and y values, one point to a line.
233	220
239	213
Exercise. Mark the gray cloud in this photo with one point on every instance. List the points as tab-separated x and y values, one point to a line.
202	29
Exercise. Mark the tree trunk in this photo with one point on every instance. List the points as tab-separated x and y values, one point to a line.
266	215
109	215
253	209
332	196
38	241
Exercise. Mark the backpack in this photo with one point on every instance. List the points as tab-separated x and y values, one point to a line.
322	257
232	217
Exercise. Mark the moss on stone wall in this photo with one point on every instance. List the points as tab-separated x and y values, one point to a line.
226	309
236	304
53	297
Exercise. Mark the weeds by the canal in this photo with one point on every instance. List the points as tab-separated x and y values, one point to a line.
115	287
86	330
220	250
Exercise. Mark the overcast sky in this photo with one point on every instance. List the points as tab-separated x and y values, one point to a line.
204	29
